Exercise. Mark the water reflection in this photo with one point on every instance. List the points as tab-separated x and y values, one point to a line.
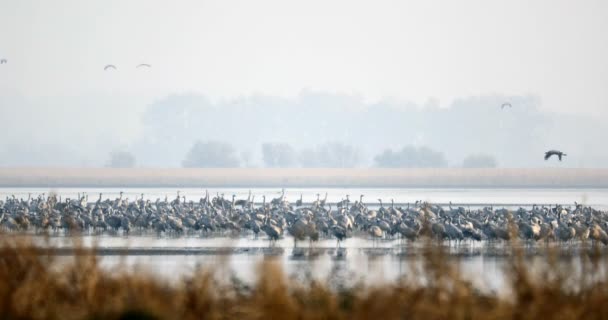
358	261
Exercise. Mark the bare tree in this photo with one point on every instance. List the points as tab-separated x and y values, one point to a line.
479	161
278	155
211	154
121	159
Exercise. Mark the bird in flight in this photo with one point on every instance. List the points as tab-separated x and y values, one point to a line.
144	65
110	66
506	104
550	153
3	61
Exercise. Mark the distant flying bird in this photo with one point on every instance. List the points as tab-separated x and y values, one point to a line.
3	61
110	66
506	104
144	65
550	153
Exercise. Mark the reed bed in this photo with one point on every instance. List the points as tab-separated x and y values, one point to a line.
35	285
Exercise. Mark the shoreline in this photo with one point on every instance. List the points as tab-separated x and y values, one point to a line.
304	178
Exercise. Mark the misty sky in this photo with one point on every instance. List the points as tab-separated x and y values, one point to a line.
425	52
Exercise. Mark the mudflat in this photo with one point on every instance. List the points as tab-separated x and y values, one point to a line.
304	177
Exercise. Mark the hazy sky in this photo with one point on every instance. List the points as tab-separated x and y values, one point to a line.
58	106
403	50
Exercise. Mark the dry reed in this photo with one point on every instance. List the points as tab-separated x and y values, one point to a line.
33	285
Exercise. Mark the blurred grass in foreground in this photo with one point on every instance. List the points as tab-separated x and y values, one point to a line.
35	285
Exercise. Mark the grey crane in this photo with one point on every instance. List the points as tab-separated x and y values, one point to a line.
557	153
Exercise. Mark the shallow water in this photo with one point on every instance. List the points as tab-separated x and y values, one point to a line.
370	266
366	261
380	264
485	273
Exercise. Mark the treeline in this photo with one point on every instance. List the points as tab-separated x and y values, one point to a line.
219	154
167	129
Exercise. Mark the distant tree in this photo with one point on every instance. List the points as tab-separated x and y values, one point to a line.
411	157
121	159
479	161
278	155
339	155
388	159
309	158
245	156
330	155
211	154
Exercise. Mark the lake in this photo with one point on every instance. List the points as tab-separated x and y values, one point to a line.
367	261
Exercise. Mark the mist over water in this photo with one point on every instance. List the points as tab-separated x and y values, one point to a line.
322	124
326	79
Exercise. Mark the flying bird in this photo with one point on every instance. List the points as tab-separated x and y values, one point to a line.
550	153
506	104
3	61
110	66
144	65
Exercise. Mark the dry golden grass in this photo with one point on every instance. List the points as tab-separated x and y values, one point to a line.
33	285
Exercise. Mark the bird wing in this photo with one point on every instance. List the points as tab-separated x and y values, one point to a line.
110	66
506	104
143	65
548	155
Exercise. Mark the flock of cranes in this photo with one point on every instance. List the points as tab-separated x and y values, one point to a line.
548	154
106	68
113	67
277	218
